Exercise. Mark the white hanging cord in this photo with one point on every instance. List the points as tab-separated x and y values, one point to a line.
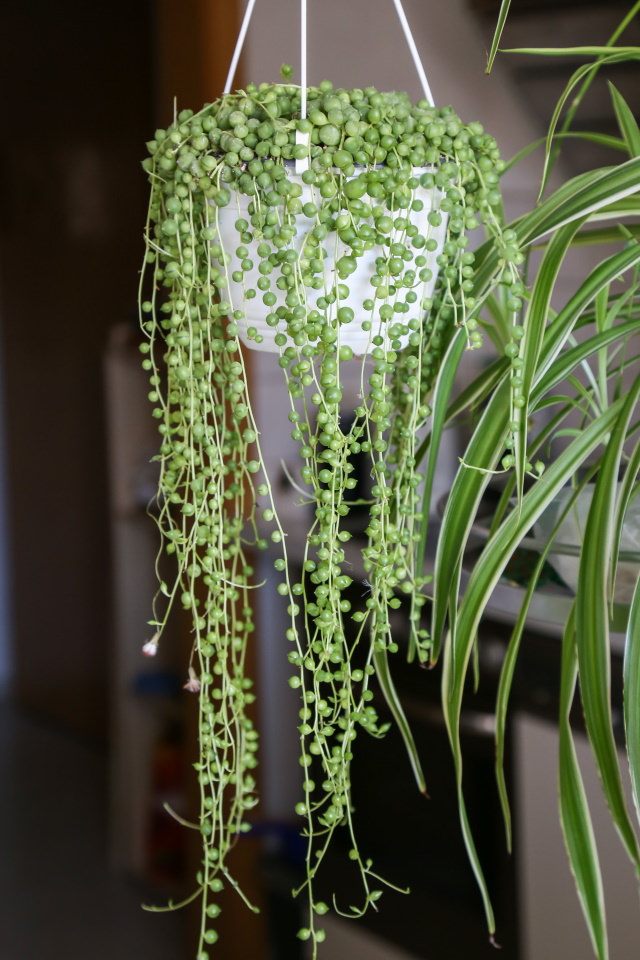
303	58
404	23
239	44
303	138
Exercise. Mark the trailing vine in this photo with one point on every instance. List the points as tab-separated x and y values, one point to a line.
232	226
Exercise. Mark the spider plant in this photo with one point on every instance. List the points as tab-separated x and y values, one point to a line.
562	392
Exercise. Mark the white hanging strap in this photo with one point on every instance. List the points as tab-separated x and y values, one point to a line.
303	139
303	58
417	62
239	44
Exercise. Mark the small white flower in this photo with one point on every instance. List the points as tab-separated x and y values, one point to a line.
193	684
150	648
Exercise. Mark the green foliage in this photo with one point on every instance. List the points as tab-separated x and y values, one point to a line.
241	246
578	369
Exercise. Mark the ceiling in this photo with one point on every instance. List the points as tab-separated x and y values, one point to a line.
541	80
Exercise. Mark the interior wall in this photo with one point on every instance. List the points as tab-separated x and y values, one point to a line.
6	659
75	111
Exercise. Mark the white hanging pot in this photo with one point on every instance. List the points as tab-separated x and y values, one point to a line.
571	534
359	332
245	297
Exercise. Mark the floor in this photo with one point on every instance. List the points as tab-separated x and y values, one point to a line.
58	897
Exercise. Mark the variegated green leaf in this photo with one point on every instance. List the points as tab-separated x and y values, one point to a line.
490	565
495	43
535	325
383	674
600	235
481	458
510	661
626	121
440	404
575	819
570	360
601	190
628	490
565	322
482	581
632	694
592	624
467	833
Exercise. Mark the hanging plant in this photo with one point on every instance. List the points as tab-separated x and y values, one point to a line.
331	228
373	235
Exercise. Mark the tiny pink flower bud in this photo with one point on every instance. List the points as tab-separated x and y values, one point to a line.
193	684
150	648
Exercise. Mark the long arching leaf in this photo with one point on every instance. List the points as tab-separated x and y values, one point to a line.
467	833
509	665
481	456
603	189
632	694
483	579
624	53
495	43
535	324
626	121
383	675
600	235
603	139
627	492
575	819
592	621
565	322
568	361
491	563
586	195
440	403
583	75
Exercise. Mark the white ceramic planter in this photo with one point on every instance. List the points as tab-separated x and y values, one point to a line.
571	533
359	283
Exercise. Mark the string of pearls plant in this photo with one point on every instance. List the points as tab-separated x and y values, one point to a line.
234	234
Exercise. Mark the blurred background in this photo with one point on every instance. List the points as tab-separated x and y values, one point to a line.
93	738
